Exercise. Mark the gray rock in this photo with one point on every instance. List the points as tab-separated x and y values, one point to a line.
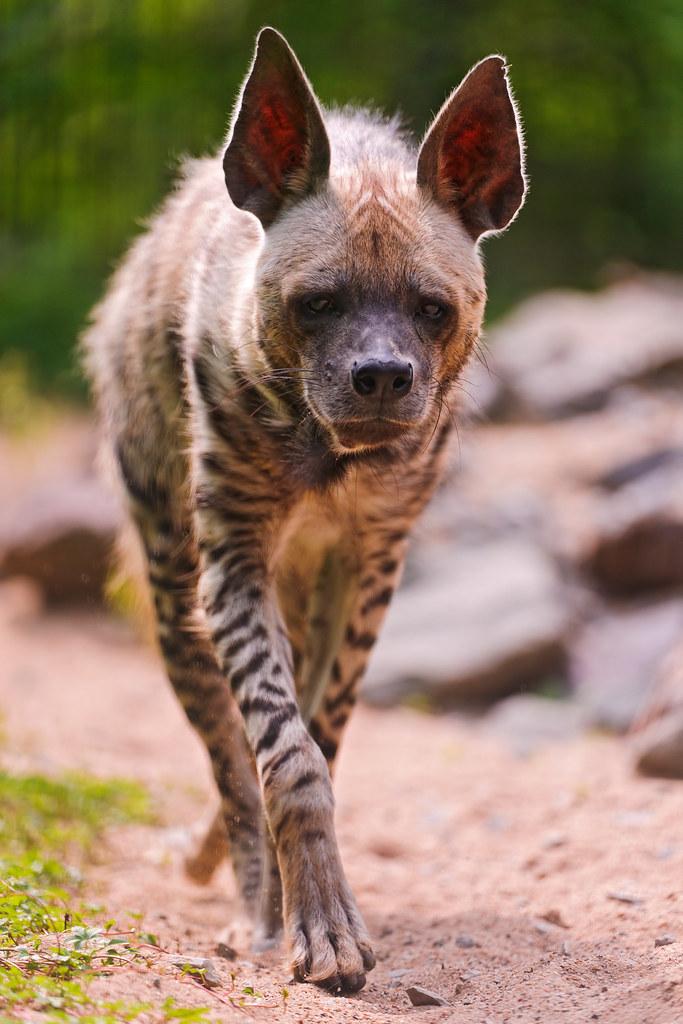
659	747
423	997
487	619
561	353
200	967
664	940
638	544
658	739
526	722
61	536
615	658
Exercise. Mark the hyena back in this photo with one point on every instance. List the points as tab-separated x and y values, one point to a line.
274	368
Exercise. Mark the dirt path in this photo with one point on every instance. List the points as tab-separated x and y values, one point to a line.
458	852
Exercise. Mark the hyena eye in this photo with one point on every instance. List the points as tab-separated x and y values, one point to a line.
431	310
319	304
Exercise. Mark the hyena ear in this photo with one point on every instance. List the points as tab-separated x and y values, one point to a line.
278	147
472	156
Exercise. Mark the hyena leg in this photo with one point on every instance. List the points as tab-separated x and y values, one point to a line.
328	940
199	684
212	849
361	610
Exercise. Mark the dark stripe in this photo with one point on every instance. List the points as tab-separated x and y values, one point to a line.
359	641
257	660
307	779
336	701
240	621
379	600
259	704
272	733
271	688
388	567
273	766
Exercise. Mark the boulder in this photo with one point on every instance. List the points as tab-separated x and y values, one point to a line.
61	536
526	722
563	352
486	620
638	541
615	657
658	732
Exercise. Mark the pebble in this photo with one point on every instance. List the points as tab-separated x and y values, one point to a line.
226	952
625	897
665	940
466	942
423	997
554	917
209	976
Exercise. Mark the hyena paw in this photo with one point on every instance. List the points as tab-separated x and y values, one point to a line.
329	942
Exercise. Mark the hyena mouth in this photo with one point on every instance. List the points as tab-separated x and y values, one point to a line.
370	433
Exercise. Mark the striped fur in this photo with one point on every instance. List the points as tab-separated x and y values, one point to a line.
274	543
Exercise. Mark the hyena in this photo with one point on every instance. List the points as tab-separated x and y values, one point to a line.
275	365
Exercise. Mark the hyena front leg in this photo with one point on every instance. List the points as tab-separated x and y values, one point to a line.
330	697
329	942
197	680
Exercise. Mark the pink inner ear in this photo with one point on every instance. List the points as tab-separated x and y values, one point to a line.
467	152
276	138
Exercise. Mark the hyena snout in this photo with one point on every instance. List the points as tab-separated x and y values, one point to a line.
382	380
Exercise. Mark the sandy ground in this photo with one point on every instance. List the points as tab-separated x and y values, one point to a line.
497	882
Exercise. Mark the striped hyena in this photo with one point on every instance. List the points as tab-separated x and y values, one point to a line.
274	366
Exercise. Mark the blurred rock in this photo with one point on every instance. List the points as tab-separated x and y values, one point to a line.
639	541
61	536
563	353
615	658
526	722
486	620
659	728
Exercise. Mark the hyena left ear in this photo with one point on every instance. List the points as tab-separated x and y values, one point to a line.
278	147
472	156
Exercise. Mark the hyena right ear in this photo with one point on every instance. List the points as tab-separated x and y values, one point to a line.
472	158
278	147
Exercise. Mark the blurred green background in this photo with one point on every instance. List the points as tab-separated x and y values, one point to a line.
100	97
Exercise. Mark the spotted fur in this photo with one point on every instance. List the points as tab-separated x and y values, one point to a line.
274	501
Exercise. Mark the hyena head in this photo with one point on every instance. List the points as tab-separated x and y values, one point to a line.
370	287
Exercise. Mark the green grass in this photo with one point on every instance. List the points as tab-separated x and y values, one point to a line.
48	950
51	945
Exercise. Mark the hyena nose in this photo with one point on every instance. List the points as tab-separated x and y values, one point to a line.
378	378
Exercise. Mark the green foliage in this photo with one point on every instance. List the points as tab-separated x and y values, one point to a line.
49	947
100	97
46	945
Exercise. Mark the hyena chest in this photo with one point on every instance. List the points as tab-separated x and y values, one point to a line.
315	563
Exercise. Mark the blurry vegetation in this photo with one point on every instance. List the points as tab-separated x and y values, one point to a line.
51	945
100	97
47	948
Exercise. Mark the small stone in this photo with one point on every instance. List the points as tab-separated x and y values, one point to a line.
226	952
665	940
554	917
466	942
553	840
468	975
200	967
625	897
423	997
566	949
157	983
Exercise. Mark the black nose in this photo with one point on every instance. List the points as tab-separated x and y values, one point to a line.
382	379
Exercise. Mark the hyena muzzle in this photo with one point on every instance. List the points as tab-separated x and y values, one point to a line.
275	366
